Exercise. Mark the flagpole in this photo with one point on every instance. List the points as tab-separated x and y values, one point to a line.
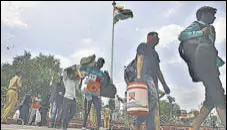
112	48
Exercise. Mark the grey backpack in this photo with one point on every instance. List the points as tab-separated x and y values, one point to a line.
130	71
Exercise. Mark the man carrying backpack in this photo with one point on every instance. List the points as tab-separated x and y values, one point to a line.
198	50
92	95
72	85
148	71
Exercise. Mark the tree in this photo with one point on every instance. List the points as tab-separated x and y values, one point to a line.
3	95
178	113
176	110
171	100
164	109
79	102
36	74
111	104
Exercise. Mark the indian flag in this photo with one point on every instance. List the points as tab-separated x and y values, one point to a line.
120	13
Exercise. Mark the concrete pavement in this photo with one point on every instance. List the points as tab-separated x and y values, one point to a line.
19	127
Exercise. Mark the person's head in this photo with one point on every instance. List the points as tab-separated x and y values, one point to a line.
71	74
18	73
39	96
206	14
100	63
152	38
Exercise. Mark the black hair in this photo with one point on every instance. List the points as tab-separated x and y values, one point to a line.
152	33
18	73
205	9
101	60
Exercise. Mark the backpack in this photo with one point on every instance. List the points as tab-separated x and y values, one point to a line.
88	61
190	55
108	89
130	71
190	64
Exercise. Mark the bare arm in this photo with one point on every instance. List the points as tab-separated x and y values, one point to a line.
160	77
139	65
162	80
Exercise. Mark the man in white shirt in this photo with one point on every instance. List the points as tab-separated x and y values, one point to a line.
72	84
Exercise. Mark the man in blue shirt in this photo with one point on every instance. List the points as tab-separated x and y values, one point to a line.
148	71
92	94
199	51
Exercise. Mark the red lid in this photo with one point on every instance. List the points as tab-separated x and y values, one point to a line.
137	82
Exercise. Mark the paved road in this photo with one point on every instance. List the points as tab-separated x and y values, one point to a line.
18	127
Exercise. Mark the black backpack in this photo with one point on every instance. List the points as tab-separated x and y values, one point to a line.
109	89
190	64
194	50
130	71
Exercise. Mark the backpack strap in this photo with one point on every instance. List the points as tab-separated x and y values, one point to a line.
201	26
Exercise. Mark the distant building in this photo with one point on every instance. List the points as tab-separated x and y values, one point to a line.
185	115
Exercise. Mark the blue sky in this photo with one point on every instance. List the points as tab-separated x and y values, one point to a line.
71	30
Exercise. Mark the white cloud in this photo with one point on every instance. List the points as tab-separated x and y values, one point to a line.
169	34
220	27
176	60
188	97
82	52
11	12
223	76
64	61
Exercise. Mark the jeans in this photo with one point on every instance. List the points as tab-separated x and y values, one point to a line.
87	106
24	111
57	114
69	109
152	119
